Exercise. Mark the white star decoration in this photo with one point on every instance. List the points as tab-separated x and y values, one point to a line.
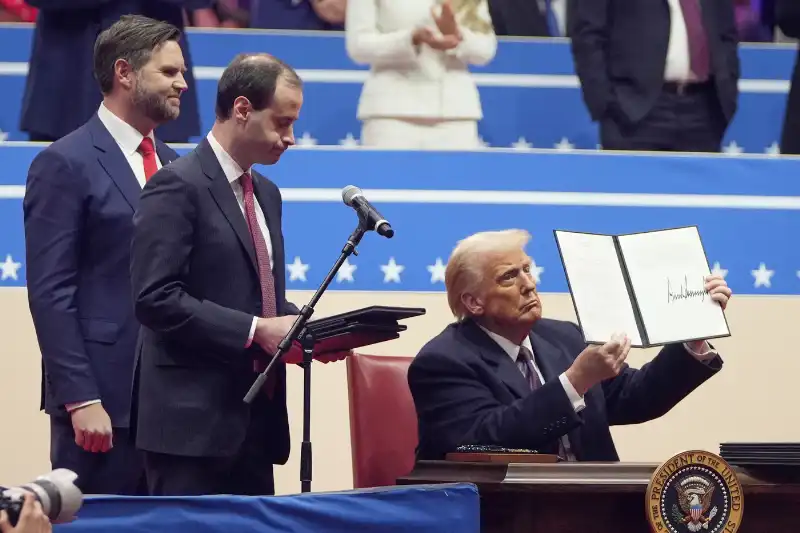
762	276
521	144
349	141
536	271
346	272
773	149
392	271
564	145
437	271
9	268
733	149
306	140
718	270
297	270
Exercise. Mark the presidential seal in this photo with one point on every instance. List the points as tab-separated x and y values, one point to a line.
694	491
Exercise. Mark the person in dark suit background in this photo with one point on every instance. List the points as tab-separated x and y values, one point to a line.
529	18
61	57
208	275
657	75
320	15
787	17
502	375
79	202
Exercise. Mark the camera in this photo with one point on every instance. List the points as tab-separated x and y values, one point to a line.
56	491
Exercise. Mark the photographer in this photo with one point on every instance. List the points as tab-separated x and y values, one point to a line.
31	520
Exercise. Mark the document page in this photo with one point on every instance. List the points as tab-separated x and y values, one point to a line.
667	270
597	286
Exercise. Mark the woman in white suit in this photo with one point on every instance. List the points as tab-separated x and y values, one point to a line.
419	93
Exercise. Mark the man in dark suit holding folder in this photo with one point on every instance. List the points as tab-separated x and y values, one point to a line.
504	376
208	276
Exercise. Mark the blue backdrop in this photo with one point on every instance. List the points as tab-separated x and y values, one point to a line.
746	209
529	92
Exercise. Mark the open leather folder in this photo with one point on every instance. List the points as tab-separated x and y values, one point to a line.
335	336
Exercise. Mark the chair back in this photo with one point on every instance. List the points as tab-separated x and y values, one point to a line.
383	420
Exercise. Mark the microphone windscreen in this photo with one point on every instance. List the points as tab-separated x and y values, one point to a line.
350	192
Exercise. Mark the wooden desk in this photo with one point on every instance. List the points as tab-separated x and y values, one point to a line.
593	497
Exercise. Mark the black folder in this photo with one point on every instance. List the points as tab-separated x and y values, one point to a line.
358	328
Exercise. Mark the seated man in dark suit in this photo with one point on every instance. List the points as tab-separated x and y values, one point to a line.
502	375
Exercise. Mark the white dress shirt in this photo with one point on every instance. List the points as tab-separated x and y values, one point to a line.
233	172
678	64
128	139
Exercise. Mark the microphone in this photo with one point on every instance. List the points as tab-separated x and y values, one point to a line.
352	196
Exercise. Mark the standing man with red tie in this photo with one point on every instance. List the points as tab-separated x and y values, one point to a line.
657	74
79	202
208	277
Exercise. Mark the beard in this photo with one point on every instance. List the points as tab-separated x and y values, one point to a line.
153	105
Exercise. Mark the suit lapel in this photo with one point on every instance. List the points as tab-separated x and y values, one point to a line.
505	369
165	154
550	358
223	195
114	163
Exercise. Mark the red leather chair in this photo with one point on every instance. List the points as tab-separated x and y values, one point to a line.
383	420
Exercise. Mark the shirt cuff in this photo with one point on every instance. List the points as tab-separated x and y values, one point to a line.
577	402
75	406
252	332
706	354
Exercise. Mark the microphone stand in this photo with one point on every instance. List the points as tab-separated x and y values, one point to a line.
301	333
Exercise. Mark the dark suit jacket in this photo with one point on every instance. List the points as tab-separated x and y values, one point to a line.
519	18
620	51
196	289
65	33
788	20
79	202
467	390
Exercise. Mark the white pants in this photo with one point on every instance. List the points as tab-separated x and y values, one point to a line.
420	134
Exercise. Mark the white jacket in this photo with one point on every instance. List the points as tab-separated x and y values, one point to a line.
406	81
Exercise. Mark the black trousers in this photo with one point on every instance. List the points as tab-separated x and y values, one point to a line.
247	473
119	471
690	121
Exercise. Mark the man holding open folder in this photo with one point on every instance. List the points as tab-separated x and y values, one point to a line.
504	376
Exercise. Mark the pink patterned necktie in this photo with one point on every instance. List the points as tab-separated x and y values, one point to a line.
525	364
268	305
698	44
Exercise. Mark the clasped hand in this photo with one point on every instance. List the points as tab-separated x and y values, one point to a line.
448	28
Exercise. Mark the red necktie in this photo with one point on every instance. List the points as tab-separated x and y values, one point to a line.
268	304
148	152
698	45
